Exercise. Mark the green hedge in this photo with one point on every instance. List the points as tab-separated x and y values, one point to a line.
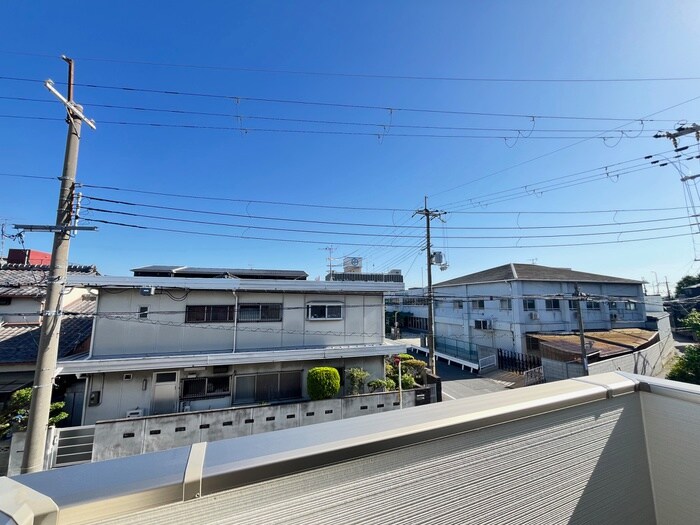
322	382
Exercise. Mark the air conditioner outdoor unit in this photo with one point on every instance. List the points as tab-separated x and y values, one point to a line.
148	290
534	316
613	317
135	413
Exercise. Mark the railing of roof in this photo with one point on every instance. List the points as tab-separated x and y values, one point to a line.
612	448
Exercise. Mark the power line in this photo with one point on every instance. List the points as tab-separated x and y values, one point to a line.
443	78
343	243
237	98
381	125
88	198
377	134
353	208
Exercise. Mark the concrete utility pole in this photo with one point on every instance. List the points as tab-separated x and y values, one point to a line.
584	357
429	215
33	459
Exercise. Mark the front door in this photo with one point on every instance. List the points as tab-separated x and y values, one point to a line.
165	393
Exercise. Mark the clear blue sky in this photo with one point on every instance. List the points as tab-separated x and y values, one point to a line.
356	57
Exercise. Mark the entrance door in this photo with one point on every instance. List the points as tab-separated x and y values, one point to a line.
165	394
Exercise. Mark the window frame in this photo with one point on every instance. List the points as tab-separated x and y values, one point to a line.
326	306
209	310
260	309
207	392
526	303
478	304
481	324
549	305
508	303
593	305
143	312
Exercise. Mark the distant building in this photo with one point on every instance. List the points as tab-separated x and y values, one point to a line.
175	339
393	276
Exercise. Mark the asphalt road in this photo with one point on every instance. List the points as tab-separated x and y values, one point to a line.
458	383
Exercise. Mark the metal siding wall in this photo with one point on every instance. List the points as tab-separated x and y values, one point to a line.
583	465
672	430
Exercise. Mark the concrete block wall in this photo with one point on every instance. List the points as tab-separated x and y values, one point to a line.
128	437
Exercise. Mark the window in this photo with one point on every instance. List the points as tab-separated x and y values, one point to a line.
415	301
276	386
572	305
210	314
478	304
593	305
4	301
317	312
629	305
506	304
482	324
458	304
260	313
529	304
612	305
143	312
201	387
551	304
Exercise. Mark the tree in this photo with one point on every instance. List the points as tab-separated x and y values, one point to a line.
686	367
15	415
688	280
356	378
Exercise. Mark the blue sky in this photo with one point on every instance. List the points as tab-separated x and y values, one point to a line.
352	60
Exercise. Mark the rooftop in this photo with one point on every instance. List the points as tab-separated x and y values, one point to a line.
533	272
197	272
233	284
19	343
603	344
29	280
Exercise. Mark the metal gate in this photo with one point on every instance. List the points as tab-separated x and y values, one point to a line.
73	445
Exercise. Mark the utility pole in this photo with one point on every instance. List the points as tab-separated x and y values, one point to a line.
33	459
330	250
429	215
668	290
584	357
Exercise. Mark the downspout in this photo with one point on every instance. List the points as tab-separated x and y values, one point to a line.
235	323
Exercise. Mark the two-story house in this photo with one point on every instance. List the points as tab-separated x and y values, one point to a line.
174	339
503	307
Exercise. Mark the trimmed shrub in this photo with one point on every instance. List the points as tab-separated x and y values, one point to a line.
322	382
407	381
406	357
356	378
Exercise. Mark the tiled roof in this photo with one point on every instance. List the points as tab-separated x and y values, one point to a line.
26	280
19	342
533	272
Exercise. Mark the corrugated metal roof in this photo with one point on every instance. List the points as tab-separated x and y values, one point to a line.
258	285
604	343
243	273
533	272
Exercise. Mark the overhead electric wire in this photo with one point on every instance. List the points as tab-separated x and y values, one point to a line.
88	198
380	125
344	243
238	98
607	169
380	76
319	132
363	234
538	157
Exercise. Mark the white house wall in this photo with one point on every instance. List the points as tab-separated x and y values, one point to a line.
508	328
119	396
21	310
165	330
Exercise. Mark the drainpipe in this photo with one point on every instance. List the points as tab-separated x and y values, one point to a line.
235	323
